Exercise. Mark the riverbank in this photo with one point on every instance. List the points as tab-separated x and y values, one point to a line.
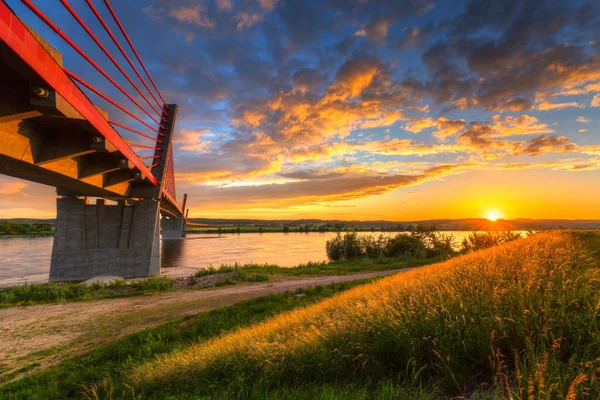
175	279
502	322
34	338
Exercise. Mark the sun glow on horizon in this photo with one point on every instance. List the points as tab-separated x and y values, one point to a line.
494	216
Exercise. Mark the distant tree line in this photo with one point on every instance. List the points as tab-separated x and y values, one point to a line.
36	228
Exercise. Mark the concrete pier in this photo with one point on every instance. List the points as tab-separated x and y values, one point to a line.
172	228
99	239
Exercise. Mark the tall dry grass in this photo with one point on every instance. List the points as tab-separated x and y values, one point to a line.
522	318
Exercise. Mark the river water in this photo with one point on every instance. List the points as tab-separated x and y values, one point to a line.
28	259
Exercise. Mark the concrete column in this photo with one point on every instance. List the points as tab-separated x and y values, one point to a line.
172	228
99	239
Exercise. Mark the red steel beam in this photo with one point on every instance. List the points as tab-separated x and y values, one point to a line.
22	42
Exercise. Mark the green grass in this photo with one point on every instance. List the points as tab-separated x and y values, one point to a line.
64	292
326	268
114	361
515	321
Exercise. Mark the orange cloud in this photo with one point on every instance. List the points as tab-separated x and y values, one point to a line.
224	5
522	125
315	191
192	15
12	187
246	20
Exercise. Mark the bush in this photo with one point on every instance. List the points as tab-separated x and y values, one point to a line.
345	247
404	245
484	240
420	244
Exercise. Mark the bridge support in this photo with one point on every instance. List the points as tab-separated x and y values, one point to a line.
98	239
172	228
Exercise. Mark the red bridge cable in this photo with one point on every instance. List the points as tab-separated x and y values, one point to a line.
147	157
105	97
116	42
141	146
56	29
155	164
105	50
135	131
112	12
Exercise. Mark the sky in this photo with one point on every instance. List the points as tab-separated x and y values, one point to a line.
360	109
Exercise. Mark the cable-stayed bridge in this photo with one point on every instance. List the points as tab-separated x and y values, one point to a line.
52	133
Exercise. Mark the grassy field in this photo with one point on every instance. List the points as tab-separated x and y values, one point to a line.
76	378
517	321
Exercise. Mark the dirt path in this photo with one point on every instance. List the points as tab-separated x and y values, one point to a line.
32	338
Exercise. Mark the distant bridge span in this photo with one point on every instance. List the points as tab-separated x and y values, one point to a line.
51	133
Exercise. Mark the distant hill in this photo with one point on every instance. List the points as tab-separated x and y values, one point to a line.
466	224
463	224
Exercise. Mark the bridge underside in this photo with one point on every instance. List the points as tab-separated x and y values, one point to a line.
44	139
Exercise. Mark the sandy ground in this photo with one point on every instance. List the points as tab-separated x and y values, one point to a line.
36	337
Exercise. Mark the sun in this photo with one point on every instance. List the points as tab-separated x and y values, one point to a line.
494	216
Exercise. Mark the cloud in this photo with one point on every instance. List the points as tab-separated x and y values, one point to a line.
595	101
376	29
546	106
522	125
546	144
313	191
568	165
192	15
268	4
582	119
193	140
224	5
445	127
246	20
12	187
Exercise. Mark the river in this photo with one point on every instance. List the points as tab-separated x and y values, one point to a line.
28	259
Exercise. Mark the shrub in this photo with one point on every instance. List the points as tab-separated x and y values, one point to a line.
484	240
426	243
345	247
373	247
441	244
404	245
